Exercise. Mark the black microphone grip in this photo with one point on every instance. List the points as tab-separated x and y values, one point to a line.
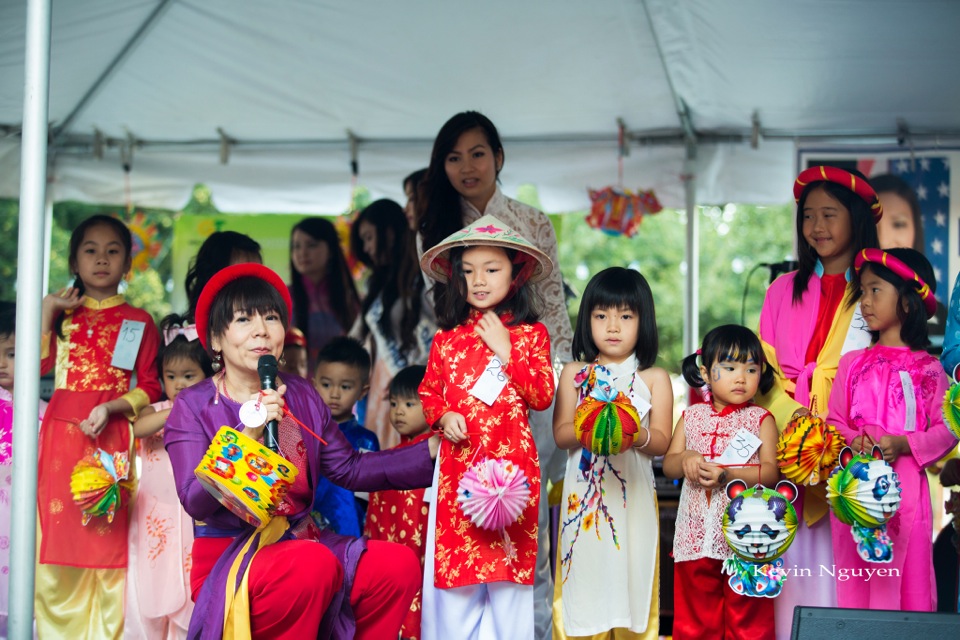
267	370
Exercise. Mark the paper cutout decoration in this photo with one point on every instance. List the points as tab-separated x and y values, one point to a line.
759	525
101	485
606	422
864	492
618	212
245	476
808	449
147	242
951	409
493	493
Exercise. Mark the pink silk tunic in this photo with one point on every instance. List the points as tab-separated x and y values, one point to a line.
871	394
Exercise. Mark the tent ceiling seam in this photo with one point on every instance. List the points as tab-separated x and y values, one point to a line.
151	20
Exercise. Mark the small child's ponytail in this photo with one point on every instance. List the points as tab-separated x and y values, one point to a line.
690	369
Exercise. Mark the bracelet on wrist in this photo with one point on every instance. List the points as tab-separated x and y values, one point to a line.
647	441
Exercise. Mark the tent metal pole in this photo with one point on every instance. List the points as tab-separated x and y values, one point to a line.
26	393
691	300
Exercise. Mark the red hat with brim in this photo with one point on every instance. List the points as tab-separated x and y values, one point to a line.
845	179
228	275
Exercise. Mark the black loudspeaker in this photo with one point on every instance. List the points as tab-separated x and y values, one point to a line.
820	623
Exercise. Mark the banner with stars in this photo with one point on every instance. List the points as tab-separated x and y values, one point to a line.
930	178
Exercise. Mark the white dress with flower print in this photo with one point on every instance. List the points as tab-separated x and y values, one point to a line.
609	532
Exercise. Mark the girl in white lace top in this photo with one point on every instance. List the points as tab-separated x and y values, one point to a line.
727	437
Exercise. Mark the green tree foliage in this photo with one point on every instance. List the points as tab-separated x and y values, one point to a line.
733	239
146	287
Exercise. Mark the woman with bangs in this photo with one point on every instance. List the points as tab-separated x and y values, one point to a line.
301	582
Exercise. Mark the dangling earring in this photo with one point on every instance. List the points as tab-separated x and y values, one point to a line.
283	360
707	394
217	363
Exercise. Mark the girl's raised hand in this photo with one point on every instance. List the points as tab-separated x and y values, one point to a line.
55	303
494	335
454	427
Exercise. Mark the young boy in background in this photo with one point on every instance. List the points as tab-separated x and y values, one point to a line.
401	516
342	378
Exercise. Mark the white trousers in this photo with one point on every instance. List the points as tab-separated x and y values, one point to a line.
492	611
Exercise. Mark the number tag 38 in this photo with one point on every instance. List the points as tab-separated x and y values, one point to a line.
490	383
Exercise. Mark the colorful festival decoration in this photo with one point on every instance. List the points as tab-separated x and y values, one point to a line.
244	476
606	421
147	243
101	485
864	492
951	409
808	449
620	212
759	525
493	493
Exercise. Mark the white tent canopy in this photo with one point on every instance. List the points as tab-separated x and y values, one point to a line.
285	81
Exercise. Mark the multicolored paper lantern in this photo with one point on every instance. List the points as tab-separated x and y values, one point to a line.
951	409
759	525
606	428
606	421
864	492
620	212
808	449
493	493
101	485
864	489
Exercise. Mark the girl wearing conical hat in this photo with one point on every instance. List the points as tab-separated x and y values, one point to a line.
488	366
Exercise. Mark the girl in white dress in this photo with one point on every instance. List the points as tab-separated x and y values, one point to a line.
607	572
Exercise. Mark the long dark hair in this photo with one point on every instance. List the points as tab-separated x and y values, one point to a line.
344	300
730	343
76	239
395	270
618	288
911	311
863	233
453	309
216	253
440	205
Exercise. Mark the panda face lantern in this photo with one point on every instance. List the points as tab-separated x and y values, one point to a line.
864	490
760	523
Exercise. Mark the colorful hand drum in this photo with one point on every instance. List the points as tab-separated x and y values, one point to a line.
245	476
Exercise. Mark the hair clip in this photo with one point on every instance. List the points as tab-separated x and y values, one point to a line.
188	331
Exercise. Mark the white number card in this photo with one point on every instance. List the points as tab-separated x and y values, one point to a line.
641	405
490	383
739	450
128	344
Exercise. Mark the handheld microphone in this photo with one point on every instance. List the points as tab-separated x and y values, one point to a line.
267	370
